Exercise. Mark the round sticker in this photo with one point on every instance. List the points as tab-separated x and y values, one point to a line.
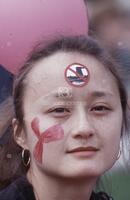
77	75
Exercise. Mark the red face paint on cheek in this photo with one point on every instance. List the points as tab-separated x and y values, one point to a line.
53	133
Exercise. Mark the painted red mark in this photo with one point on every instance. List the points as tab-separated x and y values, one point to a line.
77	75
53	133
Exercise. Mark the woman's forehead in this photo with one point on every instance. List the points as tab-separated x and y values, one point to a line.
49	73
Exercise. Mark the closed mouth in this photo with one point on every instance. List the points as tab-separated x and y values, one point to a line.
81	149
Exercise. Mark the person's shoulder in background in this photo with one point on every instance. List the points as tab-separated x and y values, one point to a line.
100	196
6	83
20	189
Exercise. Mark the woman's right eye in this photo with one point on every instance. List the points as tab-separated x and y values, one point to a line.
59	112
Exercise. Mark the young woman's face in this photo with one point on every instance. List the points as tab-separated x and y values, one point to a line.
72	131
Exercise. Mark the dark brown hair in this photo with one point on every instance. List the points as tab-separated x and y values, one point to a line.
82	44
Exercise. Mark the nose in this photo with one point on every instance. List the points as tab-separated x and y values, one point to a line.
82	124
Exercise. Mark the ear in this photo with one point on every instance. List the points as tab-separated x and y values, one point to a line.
19	134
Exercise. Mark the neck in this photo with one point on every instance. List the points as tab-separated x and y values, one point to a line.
53	188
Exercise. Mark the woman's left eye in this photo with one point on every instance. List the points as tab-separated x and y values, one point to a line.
100	108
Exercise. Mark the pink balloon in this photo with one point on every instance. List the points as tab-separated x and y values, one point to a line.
24	22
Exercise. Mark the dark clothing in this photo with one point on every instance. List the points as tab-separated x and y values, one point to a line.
6	86
5	137
21	189
18	190
6	83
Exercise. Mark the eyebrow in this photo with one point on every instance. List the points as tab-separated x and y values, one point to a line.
97	94
69	96
60	95
63	95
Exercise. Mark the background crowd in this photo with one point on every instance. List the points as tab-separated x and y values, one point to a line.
110	23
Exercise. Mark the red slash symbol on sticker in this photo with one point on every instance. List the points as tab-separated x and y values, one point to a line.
77	75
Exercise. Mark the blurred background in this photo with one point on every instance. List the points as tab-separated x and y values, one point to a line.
110	23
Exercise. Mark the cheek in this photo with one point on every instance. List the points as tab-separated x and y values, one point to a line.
109	137
111	144
52	134
109	132
111	126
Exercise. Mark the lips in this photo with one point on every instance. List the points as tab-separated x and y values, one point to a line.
83	149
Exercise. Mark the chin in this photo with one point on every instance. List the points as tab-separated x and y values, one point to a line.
80	173
78	170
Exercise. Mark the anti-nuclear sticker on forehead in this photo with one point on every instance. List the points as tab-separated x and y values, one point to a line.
77	75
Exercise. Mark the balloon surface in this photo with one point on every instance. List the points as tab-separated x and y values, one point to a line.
25	22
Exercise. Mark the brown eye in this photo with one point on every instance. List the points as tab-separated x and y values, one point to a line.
100	108
60	110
